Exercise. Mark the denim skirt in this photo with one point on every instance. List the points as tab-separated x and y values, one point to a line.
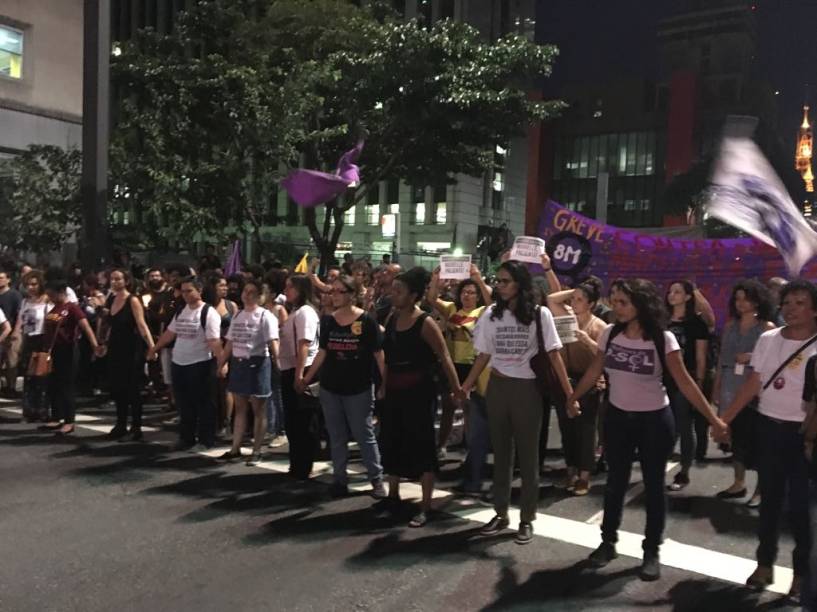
251	376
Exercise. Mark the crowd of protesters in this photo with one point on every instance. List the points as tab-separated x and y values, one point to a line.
387	357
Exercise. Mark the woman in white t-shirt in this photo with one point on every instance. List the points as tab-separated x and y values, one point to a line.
506	335
31	328
299	345
638	418
251	340
781	460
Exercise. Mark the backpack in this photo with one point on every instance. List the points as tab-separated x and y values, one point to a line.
204	312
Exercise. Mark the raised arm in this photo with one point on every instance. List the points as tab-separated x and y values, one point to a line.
556	302
704	308
554	286
484	289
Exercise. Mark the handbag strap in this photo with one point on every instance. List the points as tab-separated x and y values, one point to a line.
791	358
54	339
539	338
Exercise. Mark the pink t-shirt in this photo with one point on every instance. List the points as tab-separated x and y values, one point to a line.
634	371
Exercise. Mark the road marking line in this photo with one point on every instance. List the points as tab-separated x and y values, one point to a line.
686	557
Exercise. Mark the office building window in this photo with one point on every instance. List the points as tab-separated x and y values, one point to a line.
440	216
373	214
11	52
418	200
440	209
349	216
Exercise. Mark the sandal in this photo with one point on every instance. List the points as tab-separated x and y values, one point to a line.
419	520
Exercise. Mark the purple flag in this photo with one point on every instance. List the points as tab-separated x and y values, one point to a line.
310	188
234	260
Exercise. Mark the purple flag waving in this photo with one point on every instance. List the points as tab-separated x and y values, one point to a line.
310	188
233	265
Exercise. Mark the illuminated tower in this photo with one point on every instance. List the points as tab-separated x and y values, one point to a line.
802	158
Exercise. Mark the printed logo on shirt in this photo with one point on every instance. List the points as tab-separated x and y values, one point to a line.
511	340
357	328
637	361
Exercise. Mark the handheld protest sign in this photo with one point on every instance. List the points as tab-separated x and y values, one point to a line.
455	267
528	249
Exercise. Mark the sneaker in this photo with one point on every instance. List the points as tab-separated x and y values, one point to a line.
495	525
277	441
229	456
525	533
198	448
338	490
581	488
761	578
680	481
378	490
254	459
419	520
650	567
605	553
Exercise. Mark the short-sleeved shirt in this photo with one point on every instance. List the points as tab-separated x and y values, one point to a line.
63	320
32	317
303	324
634	371
251	332
10	303
688	332
350	349
191	339
512	344
782	398
459	332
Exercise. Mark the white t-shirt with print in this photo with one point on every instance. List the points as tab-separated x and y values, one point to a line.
252	331
191	340
71	296
781	399
634	371
512	345
303	324
32	317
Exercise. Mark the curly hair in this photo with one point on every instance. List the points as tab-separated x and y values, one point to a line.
416	280
468	282
758	294
803	285
649	306
525	307
689	305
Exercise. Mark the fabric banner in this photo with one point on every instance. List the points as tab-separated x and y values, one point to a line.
579	247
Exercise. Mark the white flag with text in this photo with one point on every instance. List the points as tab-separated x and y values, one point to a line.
747	193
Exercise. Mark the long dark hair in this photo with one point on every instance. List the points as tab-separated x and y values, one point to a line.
649	307
303	285
758	294
689	305
525	308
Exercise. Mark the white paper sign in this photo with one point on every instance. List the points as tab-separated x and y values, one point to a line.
528	248
566	327
455	267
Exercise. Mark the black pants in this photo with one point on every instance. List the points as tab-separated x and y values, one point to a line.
303	426
193	387
125	375
61	391
692	427
579	433
652	434
783	476
544	432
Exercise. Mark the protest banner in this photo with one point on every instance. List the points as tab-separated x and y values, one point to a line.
455	267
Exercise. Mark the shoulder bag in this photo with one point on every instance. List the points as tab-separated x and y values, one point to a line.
40	363
546	379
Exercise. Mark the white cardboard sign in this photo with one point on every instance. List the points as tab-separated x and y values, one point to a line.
528	248
455	267
566	327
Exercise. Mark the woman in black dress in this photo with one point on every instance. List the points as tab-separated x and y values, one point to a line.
128	334
413	345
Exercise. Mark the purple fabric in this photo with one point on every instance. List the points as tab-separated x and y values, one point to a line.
234	260
310	188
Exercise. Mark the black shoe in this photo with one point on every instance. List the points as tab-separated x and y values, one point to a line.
117	433
601	466
525	533
254	459
727	494
181	445
605	553
228	456
680	481
650	567
136	435
495	525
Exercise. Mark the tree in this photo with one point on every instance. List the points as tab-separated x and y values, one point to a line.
42	207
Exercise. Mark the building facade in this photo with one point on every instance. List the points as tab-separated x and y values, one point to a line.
40	74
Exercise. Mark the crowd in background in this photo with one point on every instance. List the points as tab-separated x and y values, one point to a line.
388	357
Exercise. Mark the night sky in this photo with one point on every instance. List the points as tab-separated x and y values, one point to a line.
600	39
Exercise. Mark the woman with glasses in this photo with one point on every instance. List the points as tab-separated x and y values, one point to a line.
351	346
507	336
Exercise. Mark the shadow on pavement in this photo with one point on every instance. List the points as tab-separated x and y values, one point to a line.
725	516
700	594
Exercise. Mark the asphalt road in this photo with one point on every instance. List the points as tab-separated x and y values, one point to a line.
87	524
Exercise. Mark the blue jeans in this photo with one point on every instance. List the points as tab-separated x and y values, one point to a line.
345	413
478	439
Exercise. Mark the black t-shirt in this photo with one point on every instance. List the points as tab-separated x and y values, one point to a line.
688	332
10	303
349	354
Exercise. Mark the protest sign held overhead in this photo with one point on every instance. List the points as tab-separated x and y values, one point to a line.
455	267
528	249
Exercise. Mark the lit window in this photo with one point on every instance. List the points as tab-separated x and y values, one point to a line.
499	181
394	209
11	53
440	217
373	214
349	216
420	213
629	204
